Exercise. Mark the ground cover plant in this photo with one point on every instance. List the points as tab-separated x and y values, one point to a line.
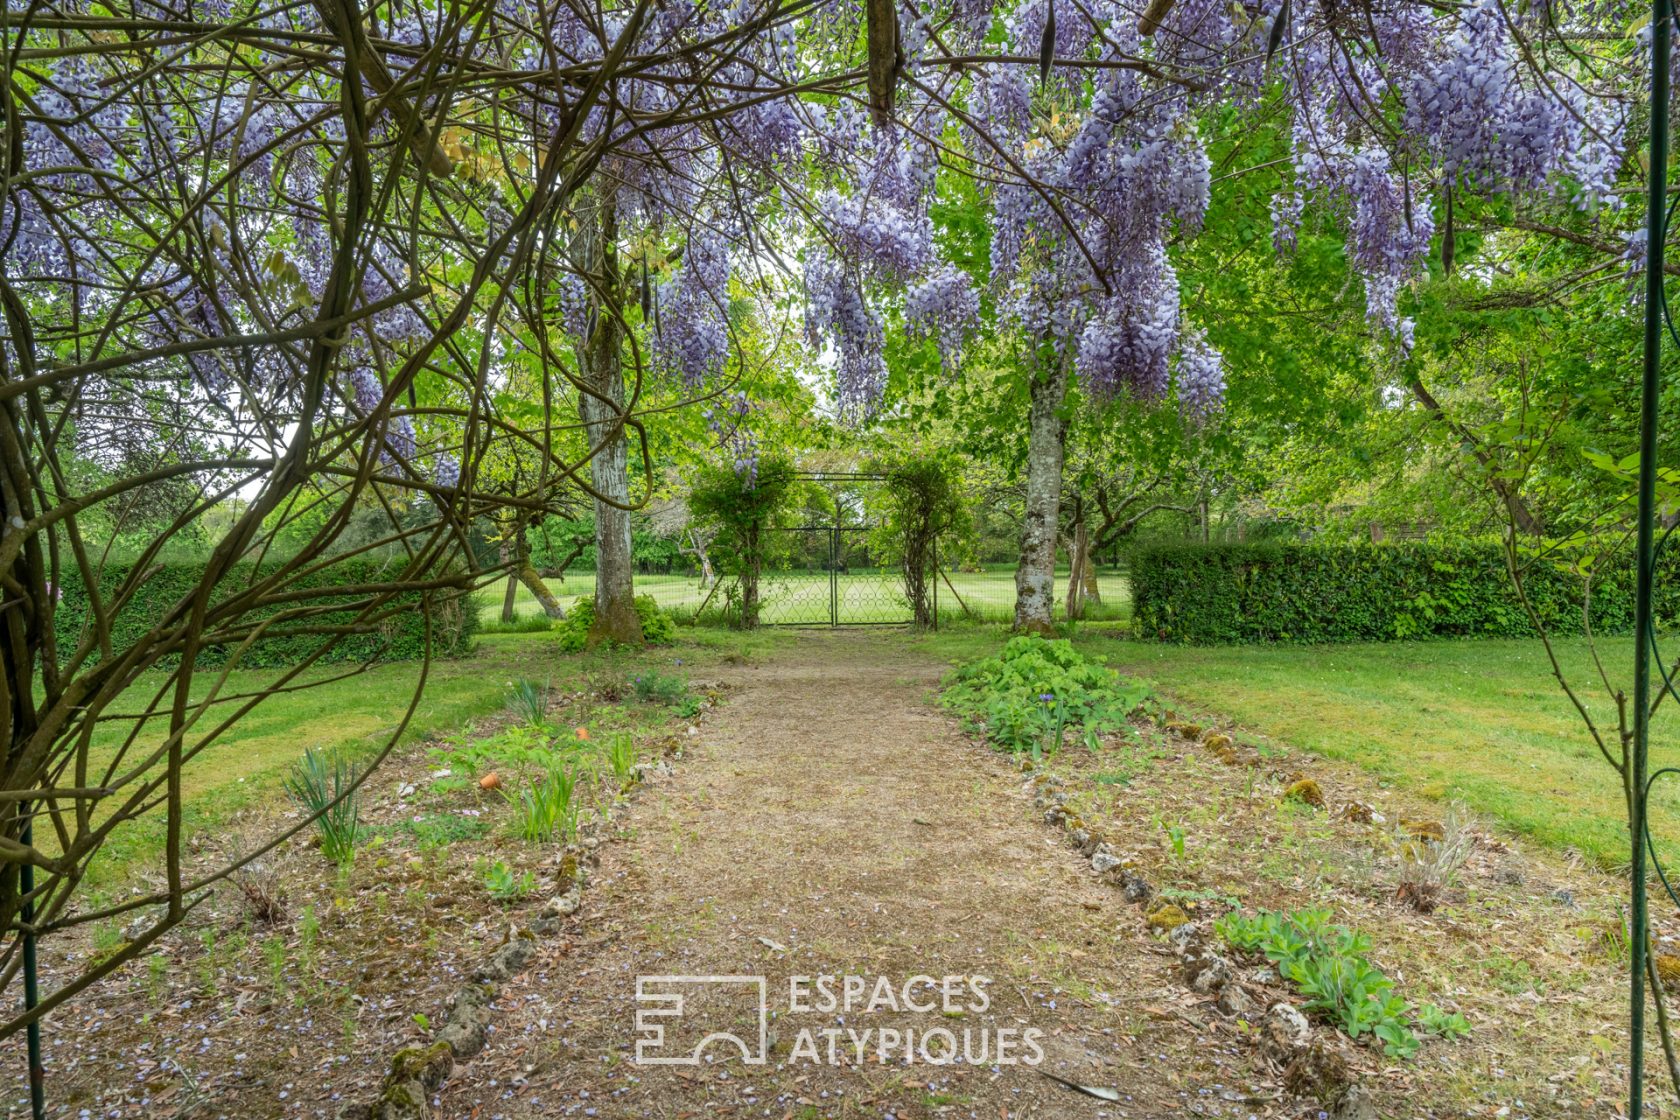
656	627
1037	694
1327	964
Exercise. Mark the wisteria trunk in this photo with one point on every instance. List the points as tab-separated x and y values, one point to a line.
601	406
1035	577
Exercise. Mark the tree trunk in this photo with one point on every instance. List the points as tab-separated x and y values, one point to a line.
531	578
752	562
505	553
702	556
1035	577
601	407
1091	592
1079	567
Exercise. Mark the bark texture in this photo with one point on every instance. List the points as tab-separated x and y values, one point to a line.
1035	577
601	407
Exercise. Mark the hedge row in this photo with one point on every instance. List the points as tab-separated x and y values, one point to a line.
1205	594
398	635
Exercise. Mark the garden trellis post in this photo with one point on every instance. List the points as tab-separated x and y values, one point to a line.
1636	783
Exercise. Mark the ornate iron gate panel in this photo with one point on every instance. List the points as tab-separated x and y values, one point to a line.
827	575
796	586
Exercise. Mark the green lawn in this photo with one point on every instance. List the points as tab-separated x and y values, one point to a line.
802	597
1483	722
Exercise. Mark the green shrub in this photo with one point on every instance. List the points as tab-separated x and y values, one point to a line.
741	506
1347	593
1036	690
657	627
397	634
655	687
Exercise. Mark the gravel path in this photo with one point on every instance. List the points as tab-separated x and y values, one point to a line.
831	821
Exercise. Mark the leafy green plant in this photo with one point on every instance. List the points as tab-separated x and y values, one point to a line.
323	786
1175	838
1029	696
655	687
545	810
1450	1025
1327	963
439	830
522	744
504	884
529	701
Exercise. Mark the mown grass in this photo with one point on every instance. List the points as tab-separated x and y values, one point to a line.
1482	722
802	598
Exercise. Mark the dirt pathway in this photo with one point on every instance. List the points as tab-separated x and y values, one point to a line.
830	820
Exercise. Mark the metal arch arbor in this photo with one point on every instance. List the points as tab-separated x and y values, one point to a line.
1639	781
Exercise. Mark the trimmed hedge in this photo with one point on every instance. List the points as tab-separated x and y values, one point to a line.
1207	594
399	635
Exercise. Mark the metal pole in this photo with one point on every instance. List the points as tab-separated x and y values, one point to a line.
1662	16
31	986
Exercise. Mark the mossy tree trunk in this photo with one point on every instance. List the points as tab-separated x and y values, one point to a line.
1035	576
601	407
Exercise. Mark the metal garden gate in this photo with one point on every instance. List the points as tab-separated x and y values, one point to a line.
833	574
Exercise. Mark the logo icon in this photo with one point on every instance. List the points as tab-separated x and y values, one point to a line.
694	1004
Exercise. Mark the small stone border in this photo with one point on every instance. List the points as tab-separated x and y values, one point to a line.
418	1072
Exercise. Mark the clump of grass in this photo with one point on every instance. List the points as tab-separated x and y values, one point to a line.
522	624
1429	866
545	810
324	786
529	701
621	756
